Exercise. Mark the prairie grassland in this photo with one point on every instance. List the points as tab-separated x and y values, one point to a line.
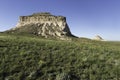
35	58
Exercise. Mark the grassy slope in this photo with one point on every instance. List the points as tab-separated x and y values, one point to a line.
32	58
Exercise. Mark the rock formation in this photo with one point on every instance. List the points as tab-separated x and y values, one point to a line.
98	38
43	24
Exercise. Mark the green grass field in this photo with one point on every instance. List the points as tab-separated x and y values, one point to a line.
35	58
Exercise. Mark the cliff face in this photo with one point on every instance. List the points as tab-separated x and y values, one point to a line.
98	38
43	24
42	18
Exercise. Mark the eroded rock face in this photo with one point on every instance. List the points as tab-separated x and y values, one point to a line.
98	38
43	24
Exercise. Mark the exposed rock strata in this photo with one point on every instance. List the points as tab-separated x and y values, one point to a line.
98	38
43	24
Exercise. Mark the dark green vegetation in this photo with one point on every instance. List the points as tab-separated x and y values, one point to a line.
34	58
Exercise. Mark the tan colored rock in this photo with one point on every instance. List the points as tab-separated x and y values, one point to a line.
44	24
98	38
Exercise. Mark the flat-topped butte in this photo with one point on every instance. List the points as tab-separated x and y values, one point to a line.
41	18
44	24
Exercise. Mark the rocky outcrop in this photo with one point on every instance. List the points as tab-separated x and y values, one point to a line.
98	38
43	24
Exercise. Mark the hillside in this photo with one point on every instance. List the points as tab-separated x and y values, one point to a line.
35	58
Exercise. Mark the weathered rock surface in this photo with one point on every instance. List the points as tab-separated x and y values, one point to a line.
43	24
98	38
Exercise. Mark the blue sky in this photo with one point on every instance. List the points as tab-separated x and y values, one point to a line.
86	18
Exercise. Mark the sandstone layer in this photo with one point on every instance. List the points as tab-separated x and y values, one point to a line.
43	24
98	38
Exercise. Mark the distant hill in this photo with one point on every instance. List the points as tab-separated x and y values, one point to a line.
98	38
